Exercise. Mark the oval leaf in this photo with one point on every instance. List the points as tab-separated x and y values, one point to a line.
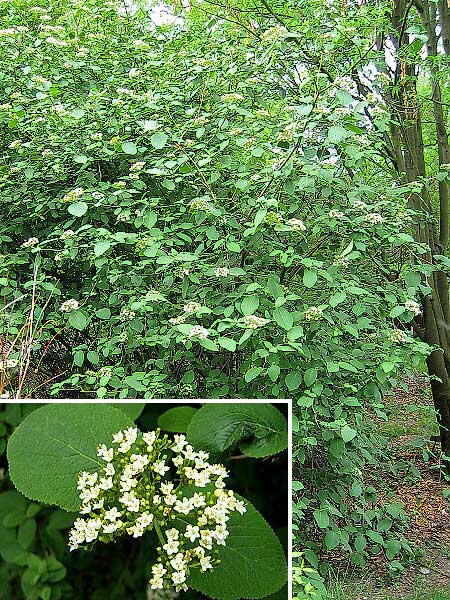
54	443
252	564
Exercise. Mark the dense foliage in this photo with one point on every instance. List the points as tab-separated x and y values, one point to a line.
203	209
49	445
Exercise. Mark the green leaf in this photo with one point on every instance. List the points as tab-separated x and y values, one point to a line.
337	298
252	564
102	247
129	148
332	540
159	140
132	410
273	372
322	519
309	279
78	113
103	313
81	159
283	318
54	443
26	533
77	209
150	219
227	343
176	419
253	373
347	433
258	429
397	311
78	320
310	377
249	304
336	134
293	380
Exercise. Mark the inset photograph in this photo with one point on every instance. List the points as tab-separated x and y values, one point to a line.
146	501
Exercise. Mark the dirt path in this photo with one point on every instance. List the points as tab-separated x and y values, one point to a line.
420	486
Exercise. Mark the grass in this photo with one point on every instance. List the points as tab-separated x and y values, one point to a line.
408	419
361	590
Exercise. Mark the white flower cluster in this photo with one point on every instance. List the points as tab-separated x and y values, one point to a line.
31	242
9	363
222	272
253	321
335	214
127	315
274	34
69	305
296	225
397	336
142	486
191	307
137	166
313	313
359	204
413	307
200	204
341	261
374	218
177	320
67	234
198	332
73	195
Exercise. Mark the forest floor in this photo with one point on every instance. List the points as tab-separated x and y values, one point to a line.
420	486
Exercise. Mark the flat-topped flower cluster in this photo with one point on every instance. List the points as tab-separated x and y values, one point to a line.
150	481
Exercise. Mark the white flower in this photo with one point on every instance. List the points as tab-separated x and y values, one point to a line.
9	363
413	307
106	483
160	468
171	547
374	218
31	242
122	498
137	166
149	438
222	272
179	577
191	307
198	332
130	501
112	527
112	514
205	563
253	322
335	214
296	225
69	305
180	443
55	42
192	532
359	204
105	453
313	313
67	234
177	320
397	336
127	315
